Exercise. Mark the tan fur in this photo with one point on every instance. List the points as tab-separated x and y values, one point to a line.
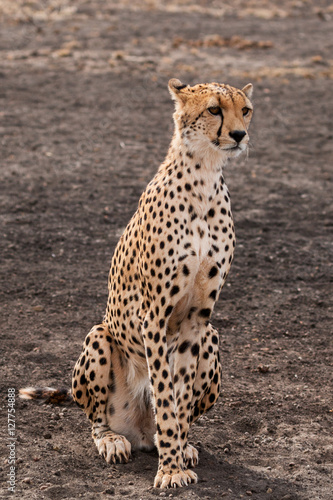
152	367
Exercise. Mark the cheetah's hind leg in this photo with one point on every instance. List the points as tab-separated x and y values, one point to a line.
93	390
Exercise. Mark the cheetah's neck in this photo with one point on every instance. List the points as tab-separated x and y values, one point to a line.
199	173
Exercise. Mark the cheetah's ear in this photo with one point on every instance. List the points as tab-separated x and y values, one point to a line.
176	89
248	90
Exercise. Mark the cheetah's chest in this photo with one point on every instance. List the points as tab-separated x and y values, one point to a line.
214	236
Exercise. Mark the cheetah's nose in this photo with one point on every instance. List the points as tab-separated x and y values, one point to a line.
237	135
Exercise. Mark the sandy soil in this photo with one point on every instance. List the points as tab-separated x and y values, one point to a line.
85	121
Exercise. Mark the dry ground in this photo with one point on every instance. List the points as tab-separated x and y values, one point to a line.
85	122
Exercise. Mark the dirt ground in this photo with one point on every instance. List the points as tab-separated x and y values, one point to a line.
85	121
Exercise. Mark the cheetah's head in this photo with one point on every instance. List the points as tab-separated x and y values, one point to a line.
212	118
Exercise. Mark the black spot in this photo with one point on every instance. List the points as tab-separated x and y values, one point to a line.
195	349
102	361
211	212
174	290
183	347
212	398
78	394
157	364
213	294
160	387
92	375
213	272
168	311
215	339
95	345
157	337
186	271
204	313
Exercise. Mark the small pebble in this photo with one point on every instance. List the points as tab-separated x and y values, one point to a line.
45	486
263	368
38	308
269	490
26	480
109	491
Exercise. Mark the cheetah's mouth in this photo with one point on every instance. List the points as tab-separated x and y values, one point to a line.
235	150
235	147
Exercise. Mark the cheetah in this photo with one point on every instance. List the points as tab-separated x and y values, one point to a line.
152	367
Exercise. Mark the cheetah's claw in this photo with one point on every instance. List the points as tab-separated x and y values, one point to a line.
191	456
176	478
114	449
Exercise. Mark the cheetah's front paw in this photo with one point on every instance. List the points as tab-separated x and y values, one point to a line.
114	448
175	478
191	456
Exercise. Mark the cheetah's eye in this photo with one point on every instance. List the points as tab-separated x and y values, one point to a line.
246	111
216	110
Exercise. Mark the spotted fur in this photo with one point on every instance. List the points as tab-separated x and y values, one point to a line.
152	367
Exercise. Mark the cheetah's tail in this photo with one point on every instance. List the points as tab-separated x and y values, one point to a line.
47	394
